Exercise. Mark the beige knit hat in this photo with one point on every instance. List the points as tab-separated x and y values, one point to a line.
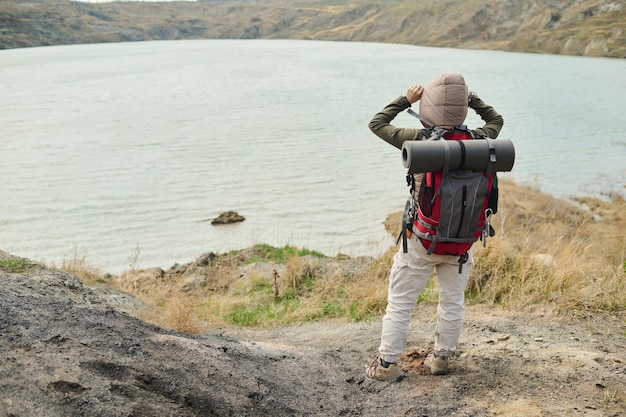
444	101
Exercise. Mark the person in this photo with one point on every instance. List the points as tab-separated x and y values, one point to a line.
444	103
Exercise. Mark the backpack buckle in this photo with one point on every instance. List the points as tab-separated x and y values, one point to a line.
487	231
462	259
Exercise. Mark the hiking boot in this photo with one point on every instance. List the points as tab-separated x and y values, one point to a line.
438	364
383	371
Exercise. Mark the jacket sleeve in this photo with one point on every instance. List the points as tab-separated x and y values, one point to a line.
493	120
381	127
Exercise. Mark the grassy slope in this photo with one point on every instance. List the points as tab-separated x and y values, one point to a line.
547	254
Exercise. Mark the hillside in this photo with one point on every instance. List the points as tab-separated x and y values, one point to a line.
66	352
74	349
574	27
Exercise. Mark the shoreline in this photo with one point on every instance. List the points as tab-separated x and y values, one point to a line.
512	194
585	203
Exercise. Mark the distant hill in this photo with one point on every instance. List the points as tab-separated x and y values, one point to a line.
572	27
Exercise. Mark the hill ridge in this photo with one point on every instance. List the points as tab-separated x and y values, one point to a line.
572	27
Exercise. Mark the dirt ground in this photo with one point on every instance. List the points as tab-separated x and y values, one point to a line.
507	365
68	350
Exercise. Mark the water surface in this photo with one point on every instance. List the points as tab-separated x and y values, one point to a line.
123	153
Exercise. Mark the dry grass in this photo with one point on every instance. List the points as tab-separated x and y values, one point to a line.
569	255
180	313
300	293
552	251
78	265
547	253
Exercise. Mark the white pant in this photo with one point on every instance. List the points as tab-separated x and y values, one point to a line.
408	278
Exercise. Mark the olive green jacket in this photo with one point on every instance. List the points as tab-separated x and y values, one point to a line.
380	123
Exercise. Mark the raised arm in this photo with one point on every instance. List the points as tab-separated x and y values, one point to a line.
493	120
381	125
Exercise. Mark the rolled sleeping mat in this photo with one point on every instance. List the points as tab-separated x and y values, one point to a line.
474	155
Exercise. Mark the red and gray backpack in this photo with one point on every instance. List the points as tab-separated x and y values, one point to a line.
451	209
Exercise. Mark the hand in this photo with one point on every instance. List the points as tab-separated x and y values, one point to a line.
471	97
414	93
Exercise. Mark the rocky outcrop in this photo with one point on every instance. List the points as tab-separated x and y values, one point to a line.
573	27
203	274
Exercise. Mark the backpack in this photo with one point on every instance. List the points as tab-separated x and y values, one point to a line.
453	207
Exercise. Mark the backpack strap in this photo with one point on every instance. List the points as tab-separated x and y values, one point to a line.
419	116
408	217
492	152
488	230
462	259
463	154
446	156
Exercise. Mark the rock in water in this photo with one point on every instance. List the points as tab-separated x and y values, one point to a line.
228	217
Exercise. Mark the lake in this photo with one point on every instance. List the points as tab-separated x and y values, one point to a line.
123	153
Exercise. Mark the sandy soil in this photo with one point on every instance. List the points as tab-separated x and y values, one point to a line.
67	350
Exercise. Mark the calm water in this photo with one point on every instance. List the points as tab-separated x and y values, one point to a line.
120	151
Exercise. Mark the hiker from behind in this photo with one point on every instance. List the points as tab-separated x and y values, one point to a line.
444	103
